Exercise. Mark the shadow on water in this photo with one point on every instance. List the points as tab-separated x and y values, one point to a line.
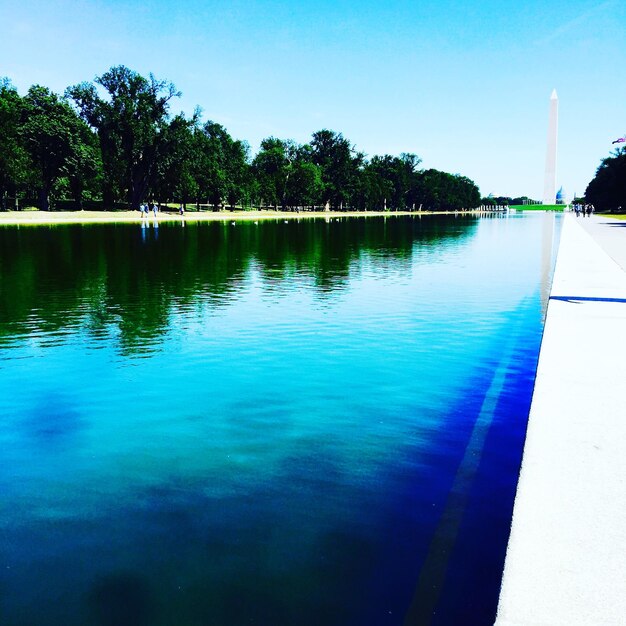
121	600
52	421
129	278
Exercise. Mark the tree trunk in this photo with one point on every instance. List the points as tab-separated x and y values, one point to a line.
44	203
108	197
77	192
135	196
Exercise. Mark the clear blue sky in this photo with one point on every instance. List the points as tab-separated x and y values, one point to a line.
465	85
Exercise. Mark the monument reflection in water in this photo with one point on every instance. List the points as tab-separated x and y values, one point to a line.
277	423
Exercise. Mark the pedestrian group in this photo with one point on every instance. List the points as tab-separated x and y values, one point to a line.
144	209
585	209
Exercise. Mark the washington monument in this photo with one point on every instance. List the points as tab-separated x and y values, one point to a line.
549	185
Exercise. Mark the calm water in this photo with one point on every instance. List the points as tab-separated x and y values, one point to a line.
304	424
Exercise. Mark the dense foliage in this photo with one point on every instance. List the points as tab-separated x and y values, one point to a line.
607	191
114	143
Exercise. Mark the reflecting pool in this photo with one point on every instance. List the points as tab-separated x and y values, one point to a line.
314	422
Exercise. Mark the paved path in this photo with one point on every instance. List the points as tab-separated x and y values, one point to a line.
566	559
610	234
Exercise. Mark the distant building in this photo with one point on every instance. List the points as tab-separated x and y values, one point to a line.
560	196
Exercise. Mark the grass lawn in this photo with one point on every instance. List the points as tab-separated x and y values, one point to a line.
615	216
537	207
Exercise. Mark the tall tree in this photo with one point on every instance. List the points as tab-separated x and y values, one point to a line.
375	187
131	124
389	181
52	136
238	170
84	165
286	173
220	166
409	178
14	163
304	185
272	169
339	163
175	168
607	190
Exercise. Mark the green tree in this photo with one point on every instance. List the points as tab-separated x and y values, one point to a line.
441	191
220	165
410	178
53	136
14	162
286	173
304	186
374	188
391	181
213	174
238	172
272	169
132	127
84	164
607	190
339	163
175	180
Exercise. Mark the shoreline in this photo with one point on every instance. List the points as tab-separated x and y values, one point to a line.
44	218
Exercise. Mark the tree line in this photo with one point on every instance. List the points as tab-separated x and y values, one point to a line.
114	143
507	201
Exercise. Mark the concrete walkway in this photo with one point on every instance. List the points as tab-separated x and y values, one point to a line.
610	234
566	559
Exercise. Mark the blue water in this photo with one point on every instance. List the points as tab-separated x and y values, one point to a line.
304	423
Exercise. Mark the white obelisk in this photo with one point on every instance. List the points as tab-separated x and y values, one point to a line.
549	186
